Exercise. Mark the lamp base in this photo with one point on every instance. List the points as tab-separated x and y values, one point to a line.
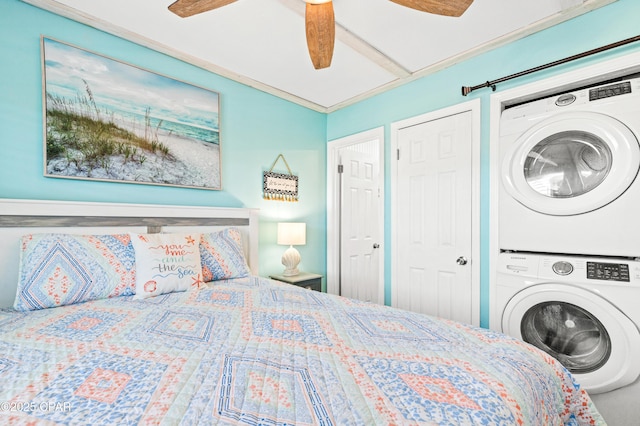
291	272
290	260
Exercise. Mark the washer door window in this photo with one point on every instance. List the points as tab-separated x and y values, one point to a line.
571	163
586	333
569	333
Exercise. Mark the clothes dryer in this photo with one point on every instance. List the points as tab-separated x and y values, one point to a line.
581	310
569	166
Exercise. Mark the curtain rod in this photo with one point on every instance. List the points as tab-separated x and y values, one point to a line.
467	89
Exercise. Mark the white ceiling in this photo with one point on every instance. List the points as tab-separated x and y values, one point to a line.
379	44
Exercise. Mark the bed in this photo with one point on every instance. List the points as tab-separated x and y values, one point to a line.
242	349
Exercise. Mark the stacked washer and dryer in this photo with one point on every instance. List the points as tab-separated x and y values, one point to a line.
568	278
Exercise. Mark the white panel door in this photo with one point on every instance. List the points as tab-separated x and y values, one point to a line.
360	230
434	214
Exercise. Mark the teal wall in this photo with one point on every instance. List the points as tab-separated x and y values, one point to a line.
606	25
255	128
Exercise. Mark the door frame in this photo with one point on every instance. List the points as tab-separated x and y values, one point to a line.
333	203
473	107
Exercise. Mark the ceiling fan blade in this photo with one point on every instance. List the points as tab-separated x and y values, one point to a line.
321	33
186	8
439	7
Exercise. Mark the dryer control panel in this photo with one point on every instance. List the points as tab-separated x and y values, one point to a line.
610	90
608	271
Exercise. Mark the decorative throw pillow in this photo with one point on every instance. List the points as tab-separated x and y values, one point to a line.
62	269
222	255
166	263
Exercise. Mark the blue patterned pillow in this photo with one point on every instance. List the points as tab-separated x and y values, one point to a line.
62	269
222	255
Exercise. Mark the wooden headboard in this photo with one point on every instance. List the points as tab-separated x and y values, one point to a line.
20	217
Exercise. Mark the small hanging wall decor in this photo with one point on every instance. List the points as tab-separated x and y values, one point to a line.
279	186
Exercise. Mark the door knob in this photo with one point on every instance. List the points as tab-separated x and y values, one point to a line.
376	245
461	261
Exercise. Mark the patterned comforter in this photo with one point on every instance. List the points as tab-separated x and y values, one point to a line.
257	352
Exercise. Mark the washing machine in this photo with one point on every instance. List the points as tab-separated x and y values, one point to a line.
569	173
582	310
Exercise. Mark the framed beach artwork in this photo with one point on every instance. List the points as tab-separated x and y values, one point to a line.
110	121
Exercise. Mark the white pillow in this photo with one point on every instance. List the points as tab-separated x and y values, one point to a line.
166	263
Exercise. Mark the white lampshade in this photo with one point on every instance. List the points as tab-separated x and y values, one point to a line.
292	233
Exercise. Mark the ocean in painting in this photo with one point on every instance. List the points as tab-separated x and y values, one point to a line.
166	126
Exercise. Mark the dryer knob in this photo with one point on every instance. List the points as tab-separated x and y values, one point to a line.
565	100
562	268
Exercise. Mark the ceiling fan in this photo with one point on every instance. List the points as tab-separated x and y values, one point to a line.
320	21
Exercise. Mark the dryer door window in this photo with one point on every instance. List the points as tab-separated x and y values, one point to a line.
571	163
567	164
569	333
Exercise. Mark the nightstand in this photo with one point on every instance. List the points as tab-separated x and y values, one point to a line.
303	279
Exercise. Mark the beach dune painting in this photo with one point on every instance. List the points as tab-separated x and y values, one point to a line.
111	121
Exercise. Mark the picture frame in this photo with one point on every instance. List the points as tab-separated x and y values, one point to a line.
280	186
107	120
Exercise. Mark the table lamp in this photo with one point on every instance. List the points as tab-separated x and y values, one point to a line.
291	234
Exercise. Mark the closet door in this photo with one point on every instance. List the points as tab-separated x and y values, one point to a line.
360	240
433	237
